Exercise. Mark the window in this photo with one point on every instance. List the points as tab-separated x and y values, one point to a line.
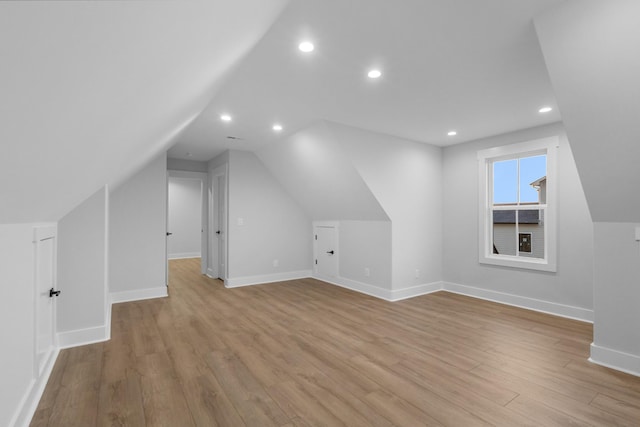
517	205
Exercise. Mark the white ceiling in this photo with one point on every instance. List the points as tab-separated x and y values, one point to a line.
470	65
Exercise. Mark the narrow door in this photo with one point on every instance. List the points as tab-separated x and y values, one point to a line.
221	232
326	262
46	293
217	223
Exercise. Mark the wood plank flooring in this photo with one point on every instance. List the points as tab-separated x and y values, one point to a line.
305	353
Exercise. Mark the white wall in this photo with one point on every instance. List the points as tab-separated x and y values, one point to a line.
365	244
138	215
16	316
406	179
274	226
186	165
572	285
82	308
616	331
313	168
185	217
590	48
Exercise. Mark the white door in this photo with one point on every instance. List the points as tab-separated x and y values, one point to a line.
217	223
221	229
46	293
326	251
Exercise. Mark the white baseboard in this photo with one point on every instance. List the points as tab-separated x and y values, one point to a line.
139	294
363	288
235	282
568	311
375	291
615	359
83	337
416	291
31	399
184	255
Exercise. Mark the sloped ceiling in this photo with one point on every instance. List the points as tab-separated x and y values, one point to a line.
592	52
470	65
90	91
314	169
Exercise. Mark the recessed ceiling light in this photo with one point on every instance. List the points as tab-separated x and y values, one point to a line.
277	127
374	74
189	154
225	118
306	46
452	133
545	110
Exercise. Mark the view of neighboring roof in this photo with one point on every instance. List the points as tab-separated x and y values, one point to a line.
538	181
509	217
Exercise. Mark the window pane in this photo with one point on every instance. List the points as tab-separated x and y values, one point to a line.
530	222
505	182
533	183
504	232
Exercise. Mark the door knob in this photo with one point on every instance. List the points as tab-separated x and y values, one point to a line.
169	234
53	293
218	232
330	252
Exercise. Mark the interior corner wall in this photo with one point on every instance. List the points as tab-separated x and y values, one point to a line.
616	335
364	251
82	312
406	179
265	225
571	287
16	317
138	226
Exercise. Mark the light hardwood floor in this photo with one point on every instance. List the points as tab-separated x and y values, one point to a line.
305	353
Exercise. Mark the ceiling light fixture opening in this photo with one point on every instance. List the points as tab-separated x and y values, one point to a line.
374	74
545	110
306	47
277	127
225	117
452	133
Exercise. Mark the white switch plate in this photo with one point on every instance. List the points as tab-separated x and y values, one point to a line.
638	233
240	221
367	272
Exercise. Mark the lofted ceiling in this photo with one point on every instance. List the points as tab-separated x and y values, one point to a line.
92	90
470	66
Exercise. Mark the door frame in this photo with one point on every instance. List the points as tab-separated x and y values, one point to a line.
204	224
325	224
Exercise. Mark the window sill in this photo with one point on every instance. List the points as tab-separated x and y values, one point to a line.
519	262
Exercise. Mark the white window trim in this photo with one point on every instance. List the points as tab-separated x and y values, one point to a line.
485	158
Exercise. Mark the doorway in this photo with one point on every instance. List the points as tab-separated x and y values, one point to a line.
186	214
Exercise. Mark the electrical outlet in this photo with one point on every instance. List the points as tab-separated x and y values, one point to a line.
367	273
276	263
417	273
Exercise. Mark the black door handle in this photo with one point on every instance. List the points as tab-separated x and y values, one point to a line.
169	234
53	293
330	252
218	232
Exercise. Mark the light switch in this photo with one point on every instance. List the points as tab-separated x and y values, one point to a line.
240	221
